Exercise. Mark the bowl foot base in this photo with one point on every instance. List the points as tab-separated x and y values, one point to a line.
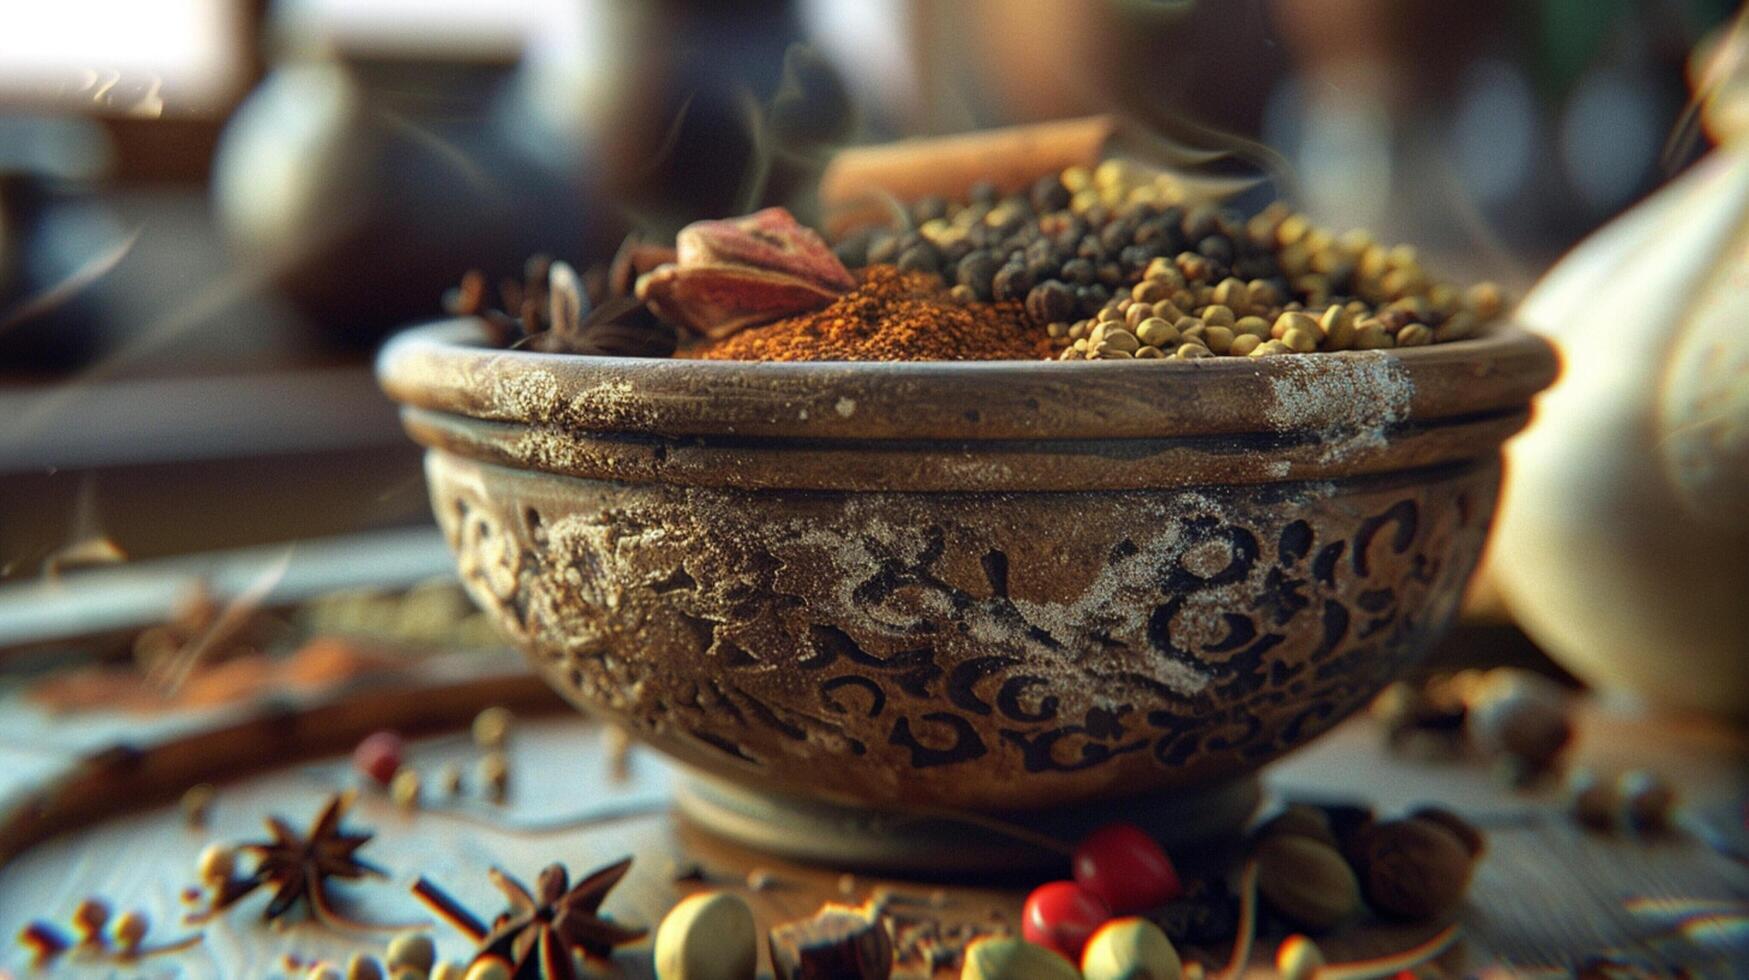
946	842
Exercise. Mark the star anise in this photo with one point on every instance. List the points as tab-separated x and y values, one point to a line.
537	936
298	867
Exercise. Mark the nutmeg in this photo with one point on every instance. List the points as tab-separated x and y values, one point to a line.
1415	868
708	936
1467	832
1306	880
1300	819
1520	714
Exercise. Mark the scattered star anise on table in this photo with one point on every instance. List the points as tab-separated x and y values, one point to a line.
537	936
298	866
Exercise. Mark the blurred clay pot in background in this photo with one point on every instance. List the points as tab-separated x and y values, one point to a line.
1623	546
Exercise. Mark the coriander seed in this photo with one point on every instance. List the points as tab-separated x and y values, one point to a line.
1244	344
1415	335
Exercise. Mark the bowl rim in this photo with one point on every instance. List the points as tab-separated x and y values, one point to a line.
445	366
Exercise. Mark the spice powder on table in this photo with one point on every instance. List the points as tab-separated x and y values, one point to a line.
892	315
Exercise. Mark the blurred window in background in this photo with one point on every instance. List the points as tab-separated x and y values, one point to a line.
124	57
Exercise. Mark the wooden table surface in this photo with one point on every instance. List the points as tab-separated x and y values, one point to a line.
1546	895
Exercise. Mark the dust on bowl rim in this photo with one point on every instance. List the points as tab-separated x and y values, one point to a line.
1001	425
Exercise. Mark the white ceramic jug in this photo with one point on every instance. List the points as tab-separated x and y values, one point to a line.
1623	542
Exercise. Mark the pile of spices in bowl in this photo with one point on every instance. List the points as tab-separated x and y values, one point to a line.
1108	263
892	315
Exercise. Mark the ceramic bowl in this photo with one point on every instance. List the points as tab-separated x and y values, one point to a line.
984	586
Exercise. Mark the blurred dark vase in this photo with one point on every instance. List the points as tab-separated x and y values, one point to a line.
361	186
51	232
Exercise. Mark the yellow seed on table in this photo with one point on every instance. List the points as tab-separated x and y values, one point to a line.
1370	334
1459	326
1298	958
1218	339
197	804
708	936
404	788
495	775
363	967
1149	353
1244	344
1300	340
1007	958
1156	332
1415	335
1168	311
492	727
1188	352
416	951
1290	321
130	930
1270	348
215	864
1130	949
1337	326
1216	315
488	969
1256	326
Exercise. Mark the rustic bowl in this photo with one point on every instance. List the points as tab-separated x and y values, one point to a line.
985	586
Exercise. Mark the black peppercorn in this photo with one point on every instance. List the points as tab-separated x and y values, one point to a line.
1135	258
1200	222
1010	283
1217	248
984	192
853	251
1049	194
1111	273
920	257
929	208
1113	237
1049	302
883	249
1080	272
975	272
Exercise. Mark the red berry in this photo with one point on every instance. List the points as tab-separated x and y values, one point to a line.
1062	916
378	756
1125	868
